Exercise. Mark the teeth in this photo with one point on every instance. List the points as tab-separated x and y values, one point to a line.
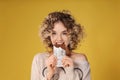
59	43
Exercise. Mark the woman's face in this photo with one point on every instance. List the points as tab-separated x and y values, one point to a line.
59	34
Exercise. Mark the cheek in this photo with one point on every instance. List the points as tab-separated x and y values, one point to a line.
66	40
52	40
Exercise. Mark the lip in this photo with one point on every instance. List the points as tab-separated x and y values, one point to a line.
59	43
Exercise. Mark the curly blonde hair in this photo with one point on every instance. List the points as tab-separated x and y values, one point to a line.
75	30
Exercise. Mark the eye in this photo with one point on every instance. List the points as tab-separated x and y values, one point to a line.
64	33
53	33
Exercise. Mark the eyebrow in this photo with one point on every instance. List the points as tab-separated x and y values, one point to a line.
62	31
65	31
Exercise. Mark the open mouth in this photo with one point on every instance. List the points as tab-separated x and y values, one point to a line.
59	43
62	45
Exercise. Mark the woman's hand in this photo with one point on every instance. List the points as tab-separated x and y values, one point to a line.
51	66
67	61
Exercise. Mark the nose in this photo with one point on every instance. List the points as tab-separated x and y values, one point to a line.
59	38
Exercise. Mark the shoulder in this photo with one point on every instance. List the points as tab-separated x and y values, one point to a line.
81	60
40	56
79	56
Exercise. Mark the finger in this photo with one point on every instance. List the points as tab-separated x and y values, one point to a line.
66	58
51	61
53	58
66	63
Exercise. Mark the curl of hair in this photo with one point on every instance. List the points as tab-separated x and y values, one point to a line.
75	30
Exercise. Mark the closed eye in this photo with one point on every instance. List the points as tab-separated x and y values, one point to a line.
65	33
53	33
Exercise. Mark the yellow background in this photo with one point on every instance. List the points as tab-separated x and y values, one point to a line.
19	41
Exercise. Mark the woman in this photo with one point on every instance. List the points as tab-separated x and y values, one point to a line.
60	29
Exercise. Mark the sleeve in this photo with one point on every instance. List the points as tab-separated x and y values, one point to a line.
82	72
35	70
85	67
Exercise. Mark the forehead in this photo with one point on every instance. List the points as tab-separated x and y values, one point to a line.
59	26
